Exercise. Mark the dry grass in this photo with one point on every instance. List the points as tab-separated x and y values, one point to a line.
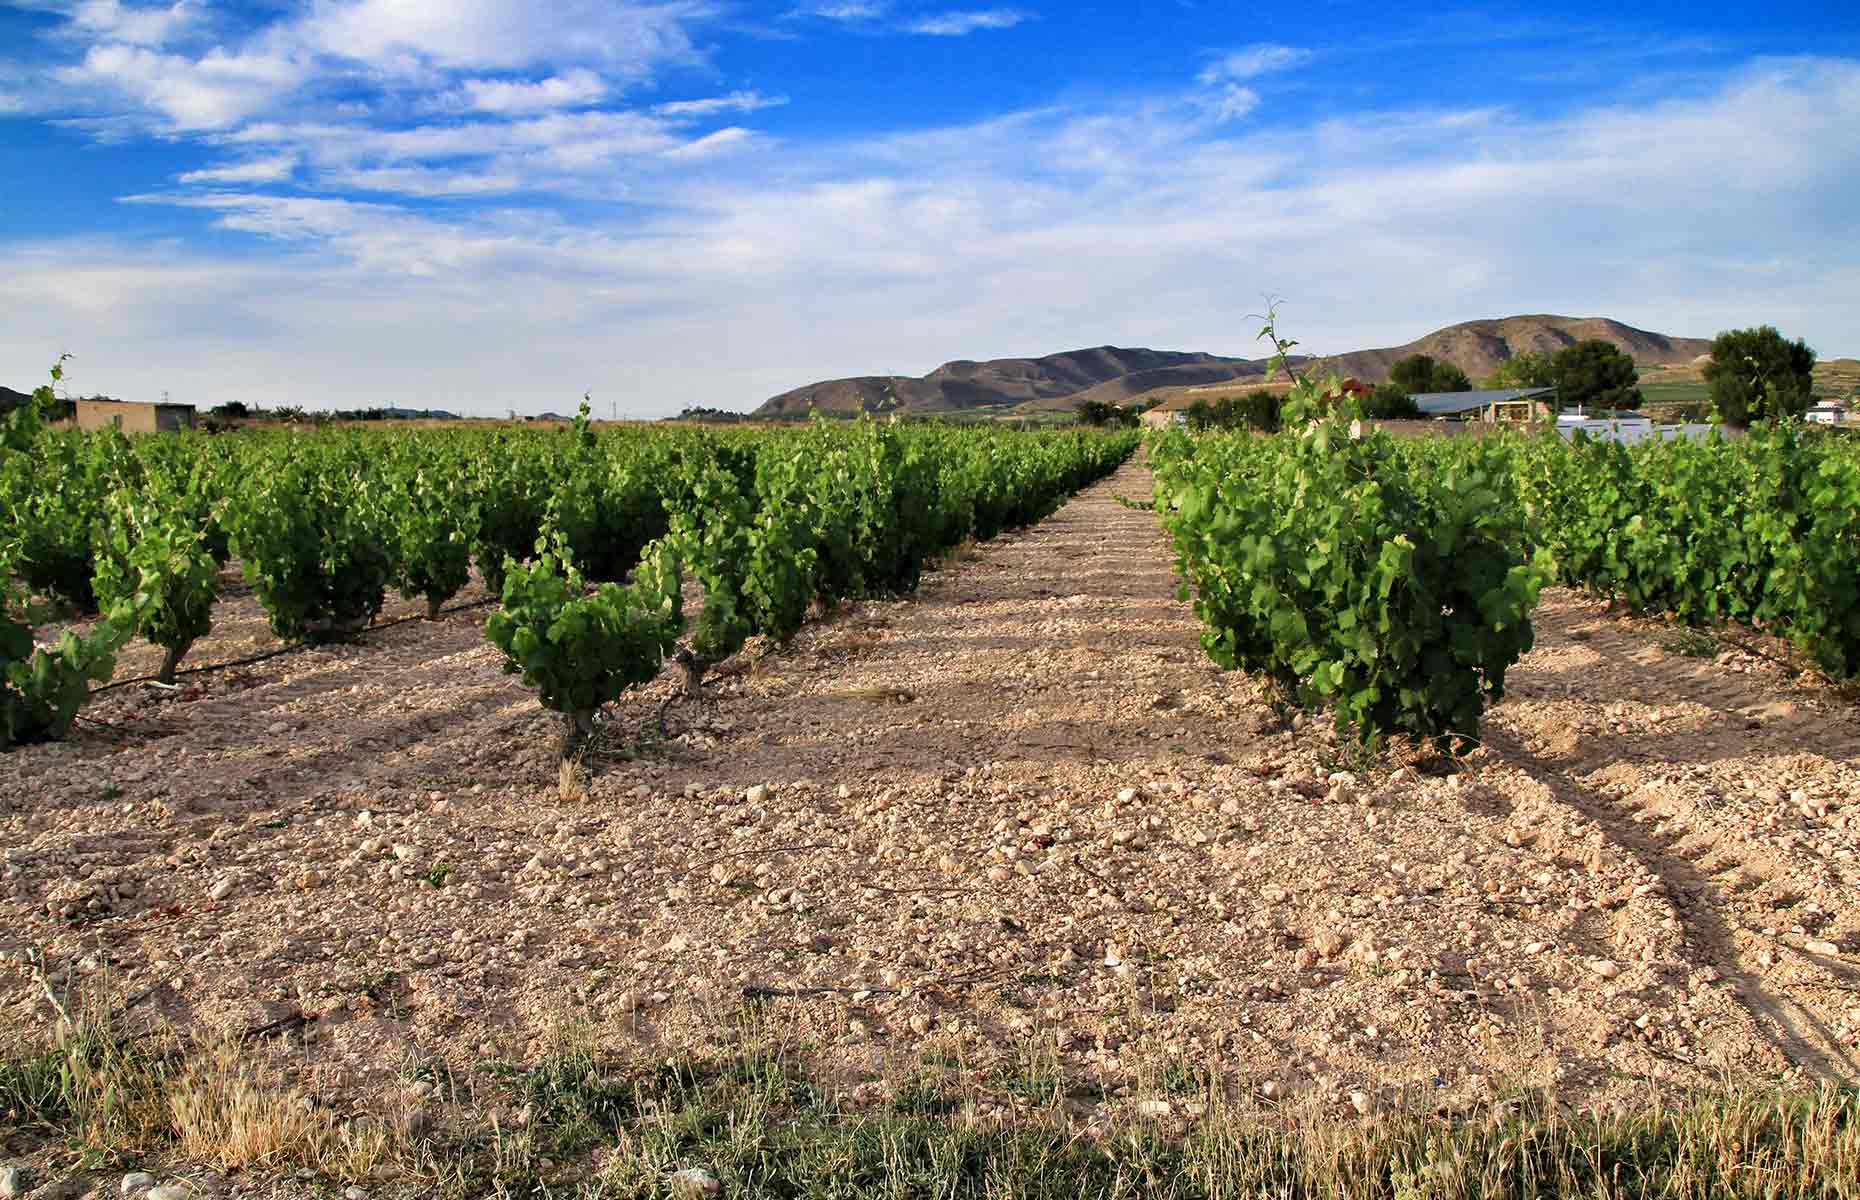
745	1107
227	1110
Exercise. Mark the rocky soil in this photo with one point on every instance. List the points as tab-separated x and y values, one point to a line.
1017	813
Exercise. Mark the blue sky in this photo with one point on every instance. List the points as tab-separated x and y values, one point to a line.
495	204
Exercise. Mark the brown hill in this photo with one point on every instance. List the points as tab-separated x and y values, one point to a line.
1059	381
1126	389
960	385
1477	347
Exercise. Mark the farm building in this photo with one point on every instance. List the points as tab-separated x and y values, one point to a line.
1173	408
131	416
10	400
1491	404
1828	412
1627	427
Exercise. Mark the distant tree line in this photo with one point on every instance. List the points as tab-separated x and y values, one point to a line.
711	415
1105	415
1753	375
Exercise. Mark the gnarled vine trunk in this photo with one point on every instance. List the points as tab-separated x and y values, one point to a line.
172	660
577	734
691	669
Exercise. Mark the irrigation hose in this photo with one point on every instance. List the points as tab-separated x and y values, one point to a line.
283	650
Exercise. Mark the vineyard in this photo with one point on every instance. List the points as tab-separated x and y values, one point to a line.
769	525
1320	777
1392	580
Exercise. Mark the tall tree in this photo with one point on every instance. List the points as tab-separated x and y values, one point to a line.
1388	401
1532	368
1596	374
1424	373
1756	375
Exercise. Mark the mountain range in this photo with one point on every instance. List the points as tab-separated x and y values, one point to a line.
1111	373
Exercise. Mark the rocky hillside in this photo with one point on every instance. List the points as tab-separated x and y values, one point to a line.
1110	373
1477	347
964	384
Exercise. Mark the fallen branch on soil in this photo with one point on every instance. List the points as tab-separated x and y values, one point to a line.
912	891
711	862
753	991
296	1020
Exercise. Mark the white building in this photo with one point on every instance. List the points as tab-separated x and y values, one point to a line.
1627	427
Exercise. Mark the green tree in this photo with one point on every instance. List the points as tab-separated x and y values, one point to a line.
1449	378
1102	413
1387	401
1257	409
1596	374
1755	375
1532	368
1420	373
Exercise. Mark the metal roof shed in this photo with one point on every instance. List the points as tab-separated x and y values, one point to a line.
1487	400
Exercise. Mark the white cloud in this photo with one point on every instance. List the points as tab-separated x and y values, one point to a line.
625	37
844	10
1224	94
1250	62
214	91
186	67
564	141
274	169
430	182
591	154
742	102
1230	101
142	25
959	24
894	253
713	145
571	89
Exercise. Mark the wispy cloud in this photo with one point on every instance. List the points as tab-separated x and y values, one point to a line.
960	24
571	89
186	68
842	10
218	89
625	37
275	169
740	102
1225	95
1229	102
487	97
1250	62
713	145
139	25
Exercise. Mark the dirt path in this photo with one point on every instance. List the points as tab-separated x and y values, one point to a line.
1016	817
